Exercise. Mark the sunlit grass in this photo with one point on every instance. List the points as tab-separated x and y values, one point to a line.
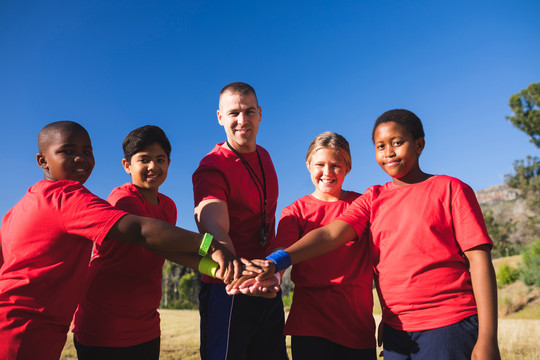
518	338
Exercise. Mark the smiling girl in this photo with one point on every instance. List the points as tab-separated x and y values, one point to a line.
331	313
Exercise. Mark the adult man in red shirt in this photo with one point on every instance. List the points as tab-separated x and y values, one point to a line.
236	190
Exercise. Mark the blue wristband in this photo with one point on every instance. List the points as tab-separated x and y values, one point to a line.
281	258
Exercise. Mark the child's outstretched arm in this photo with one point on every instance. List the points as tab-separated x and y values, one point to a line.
485	294
321	241
161	237
315	243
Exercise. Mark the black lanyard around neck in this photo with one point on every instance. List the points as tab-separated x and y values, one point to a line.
262	195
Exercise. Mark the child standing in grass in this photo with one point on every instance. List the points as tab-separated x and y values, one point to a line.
114	326
331	313
46	241
431	252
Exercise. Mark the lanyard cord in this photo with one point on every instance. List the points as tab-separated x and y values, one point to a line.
255	180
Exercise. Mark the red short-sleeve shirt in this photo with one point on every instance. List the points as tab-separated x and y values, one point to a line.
123	282
46	244
333	293
420	232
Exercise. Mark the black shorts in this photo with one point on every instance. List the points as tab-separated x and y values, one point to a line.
145	351
240	327
318	348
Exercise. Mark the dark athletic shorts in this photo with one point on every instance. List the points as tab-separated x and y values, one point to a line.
145	351
318	348
240	327
453	342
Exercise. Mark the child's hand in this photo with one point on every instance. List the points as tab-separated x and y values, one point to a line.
268	269
230	267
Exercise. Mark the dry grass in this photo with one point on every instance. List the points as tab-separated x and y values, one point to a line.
519	325
518	338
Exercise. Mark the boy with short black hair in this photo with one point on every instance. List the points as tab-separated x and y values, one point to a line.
46	239
103	326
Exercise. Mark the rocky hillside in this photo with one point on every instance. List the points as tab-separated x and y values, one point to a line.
508	206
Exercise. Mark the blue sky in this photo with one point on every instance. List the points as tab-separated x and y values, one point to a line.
316	65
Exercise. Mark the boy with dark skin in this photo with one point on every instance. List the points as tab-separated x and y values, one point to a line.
46	240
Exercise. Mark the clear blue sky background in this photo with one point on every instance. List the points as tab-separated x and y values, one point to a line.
316	65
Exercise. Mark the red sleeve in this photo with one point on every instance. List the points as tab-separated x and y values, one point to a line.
127	202
86	215
359	213
209	183
289	229
469	224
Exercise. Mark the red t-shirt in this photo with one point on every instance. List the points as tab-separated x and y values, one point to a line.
46	244
333	296
419	234
222	175
123	282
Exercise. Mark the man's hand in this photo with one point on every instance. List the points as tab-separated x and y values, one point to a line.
249	285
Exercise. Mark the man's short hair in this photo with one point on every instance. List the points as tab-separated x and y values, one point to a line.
238	88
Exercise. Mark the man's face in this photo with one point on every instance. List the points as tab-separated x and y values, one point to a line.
69	156
240	115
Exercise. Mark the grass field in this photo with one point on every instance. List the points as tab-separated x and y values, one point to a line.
519	331
518	338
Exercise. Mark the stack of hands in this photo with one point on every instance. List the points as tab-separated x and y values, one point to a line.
258	279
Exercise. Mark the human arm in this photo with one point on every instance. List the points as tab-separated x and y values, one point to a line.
212	216
171	241
315	243
485	293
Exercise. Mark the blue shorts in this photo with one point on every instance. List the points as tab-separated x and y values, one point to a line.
452	342
240	327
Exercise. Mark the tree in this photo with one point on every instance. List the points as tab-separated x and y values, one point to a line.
525	106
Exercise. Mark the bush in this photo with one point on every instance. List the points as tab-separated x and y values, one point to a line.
507	275
530	266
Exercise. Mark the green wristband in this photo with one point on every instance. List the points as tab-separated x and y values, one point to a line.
205	244
207	266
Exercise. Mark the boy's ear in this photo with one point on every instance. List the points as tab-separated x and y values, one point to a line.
420	144
126	165
42	161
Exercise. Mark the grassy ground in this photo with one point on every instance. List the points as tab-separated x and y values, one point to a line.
519	325
518	338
